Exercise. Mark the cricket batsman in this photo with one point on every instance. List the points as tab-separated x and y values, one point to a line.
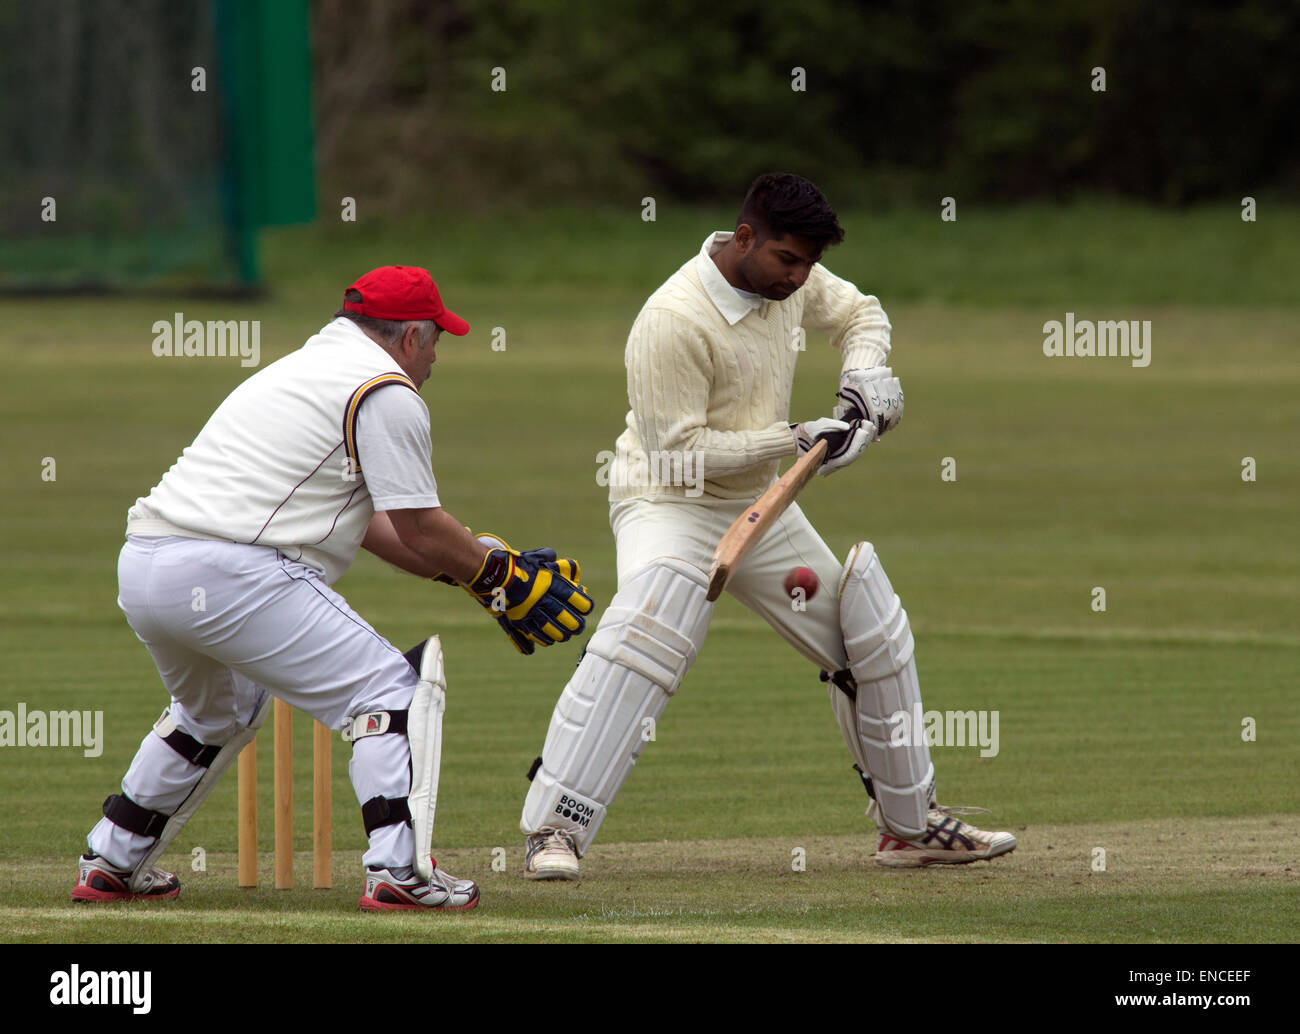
226	578
710	365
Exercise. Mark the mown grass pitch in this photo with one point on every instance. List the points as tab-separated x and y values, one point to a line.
1119	730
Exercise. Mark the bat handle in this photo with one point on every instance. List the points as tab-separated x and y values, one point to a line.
717	582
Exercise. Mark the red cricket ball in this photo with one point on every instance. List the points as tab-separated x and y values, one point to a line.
804	578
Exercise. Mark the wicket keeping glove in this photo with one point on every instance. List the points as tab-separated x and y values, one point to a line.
845	441
535	596
873	396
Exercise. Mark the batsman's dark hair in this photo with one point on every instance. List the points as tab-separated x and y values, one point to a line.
780	203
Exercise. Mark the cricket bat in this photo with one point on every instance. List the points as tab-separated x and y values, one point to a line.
752	525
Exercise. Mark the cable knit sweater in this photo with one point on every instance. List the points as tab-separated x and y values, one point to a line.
709	375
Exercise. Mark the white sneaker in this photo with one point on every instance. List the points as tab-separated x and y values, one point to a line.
399	887
946	841
551	855
97	880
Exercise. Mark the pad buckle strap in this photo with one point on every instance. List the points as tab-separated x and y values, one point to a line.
384	811
866	781
375	723
844	681
120	810
183	743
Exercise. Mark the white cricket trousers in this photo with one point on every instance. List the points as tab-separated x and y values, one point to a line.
226	623
647	530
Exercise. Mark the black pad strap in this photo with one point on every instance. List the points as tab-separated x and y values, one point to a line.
415	655
122	811
866	781
844	681
532	771
190	749
384	811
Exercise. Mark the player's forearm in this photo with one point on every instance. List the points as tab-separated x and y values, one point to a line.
425	542
381	540
720	453
856	322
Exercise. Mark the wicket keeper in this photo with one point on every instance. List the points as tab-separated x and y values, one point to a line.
227	574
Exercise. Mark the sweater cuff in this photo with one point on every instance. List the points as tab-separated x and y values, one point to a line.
863	355
774	443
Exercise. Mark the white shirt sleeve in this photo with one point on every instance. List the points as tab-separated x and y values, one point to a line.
395	450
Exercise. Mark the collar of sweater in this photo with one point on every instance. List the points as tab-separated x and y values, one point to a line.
731	304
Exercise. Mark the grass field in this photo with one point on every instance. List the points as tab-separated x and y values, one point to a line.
1120	730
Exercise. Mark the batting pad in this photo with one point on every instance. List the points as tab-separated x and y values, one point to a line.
879	725
646	641
424	730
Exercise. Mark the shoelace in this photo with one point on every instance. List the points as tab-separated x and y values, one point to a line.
564	835
961	809
549	832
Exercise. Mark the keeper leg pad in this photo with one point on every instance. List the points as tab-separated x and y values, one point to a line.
879	645
215	761
424	730
646	641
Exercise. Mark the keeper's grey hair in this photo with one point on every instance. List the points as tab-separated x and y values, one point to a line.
387	333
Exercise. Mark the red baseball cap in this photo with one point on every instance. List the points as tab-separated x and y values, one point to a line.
403	293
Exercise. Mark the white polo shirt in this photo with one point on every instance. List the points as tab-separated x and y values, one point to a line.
300	455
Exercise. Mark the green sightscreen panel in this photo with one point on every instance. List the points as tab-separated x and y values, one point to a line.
290	195
265	52
134	152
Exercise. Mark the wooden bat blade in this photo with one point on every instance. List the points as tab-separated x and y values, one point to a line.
752	525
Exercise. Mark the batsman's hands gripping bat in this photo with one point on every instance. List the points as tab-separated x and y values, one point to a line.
536	596
873	396
818	441
845	441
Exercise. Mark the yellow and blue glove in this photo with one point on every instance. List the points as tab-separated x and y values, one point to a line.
536	596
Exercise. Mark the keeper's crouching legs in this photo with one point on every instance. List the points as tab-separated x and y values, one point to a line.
138	826
646	641
396	750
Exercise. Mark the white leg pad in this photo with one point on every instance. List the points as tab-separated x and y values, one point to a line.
229	751
424	731
879	646
646	641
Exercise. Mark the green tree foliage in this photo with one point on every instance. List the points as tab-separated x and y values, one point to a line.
686	99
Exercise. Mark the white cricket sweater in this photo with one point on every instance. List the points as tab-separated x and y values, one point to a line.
709	376
276	464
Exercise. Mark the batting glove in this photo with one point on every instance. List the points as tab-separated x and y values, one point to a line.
845	441
873	396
